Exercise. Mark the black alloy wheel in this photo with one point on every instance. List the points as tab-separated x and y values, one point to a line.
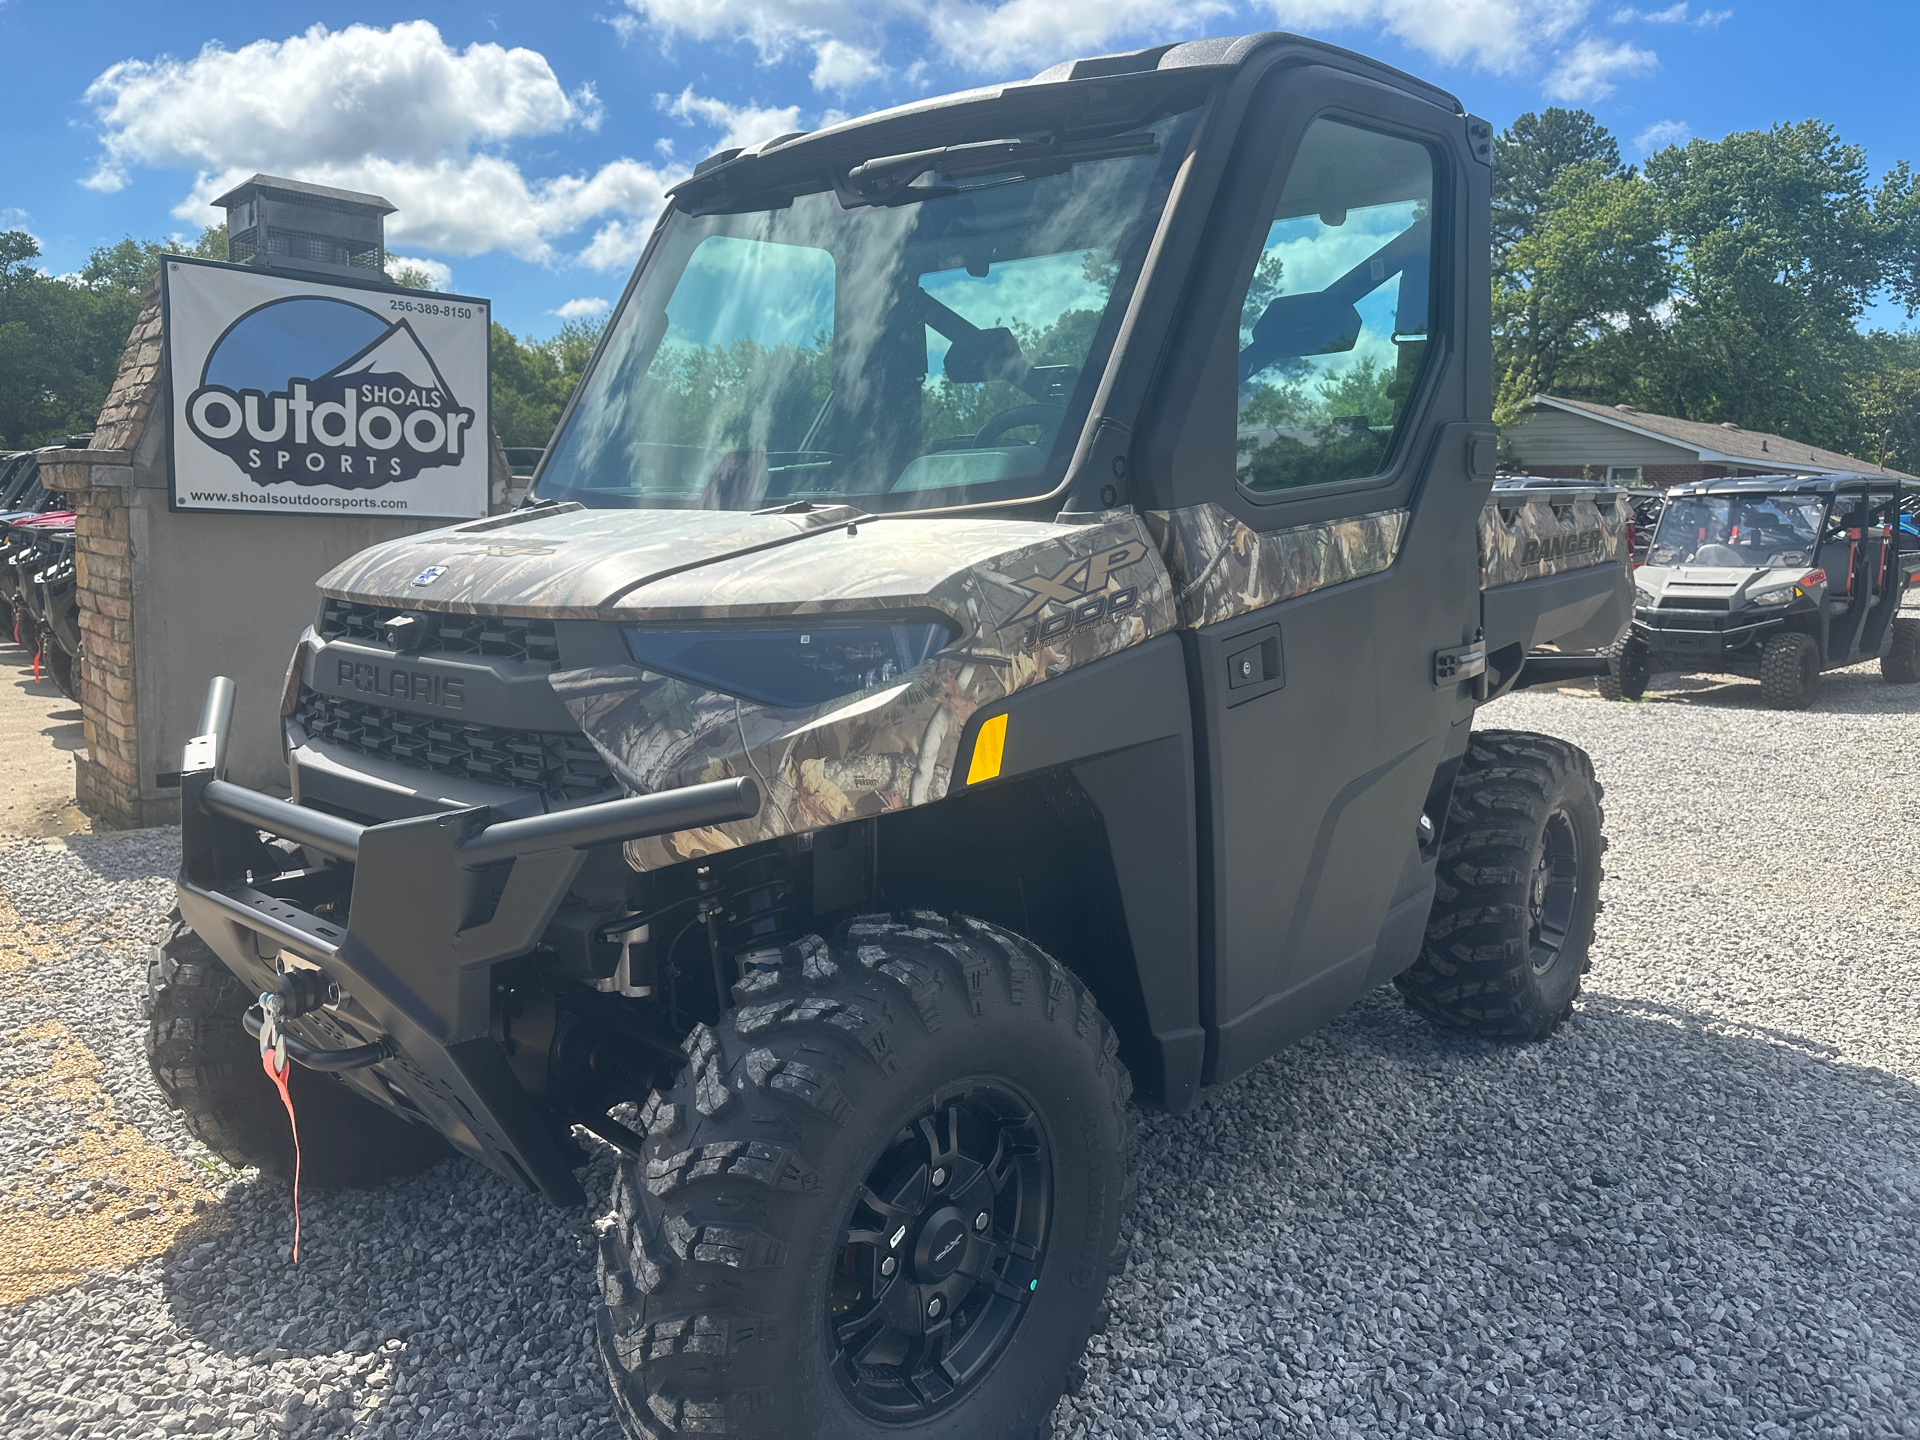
882	1200
941	1255
1555	890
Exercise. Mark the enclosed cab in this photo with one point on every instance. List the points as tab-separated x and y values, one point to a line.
997	633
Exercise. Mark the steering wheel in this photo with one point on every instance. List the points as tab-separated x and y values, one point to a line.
1047	417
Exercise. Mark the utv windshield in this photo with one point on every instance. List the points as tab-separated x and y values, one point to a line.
937	346
1743	531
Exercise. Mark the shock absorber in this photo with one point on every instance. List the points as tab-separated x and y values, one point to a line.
750	909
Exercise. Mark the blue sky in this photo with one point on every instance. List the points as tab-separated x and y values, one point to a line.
527	144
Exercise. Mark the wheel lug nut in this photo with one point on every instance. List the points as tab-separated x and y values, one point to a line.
982	1220
939	1178
889	1265
934	1307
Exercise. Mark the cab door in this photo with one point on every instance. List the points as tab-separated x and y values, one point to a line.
1317	438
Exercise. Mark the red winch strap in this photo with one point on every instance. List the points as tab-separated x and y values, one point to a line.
279	1079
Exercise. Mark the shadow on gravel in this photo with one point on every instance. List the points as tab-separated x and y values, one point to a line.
1856	691
458	1303
1655	1223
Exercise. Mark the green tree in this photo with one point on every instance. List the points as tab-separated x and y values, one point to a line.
1529	156
533	379
1576	296
1777	250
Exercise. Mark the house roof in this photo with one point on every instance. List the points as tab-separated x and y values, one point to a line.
1720	444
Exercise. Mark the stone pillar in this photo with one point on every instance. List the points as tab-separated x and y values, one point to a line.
168	600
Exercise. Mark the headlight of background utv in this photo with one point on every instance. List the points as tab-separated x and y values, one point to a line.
1643	596
793	664
1778	595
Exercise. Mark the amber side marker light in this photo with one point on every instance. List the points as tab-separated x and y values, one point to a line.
988	748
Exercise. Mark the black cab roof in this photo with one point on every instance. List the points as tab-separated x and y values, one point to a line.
1089	89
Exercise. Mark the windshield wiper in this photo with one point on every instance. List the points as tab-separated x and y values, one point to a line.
889	179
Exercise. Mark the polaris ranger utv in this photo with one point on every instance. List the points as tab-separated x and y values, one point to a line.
1775	578
996	634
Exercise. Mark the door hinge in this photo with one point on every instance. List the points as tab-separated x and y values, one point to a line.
1462	662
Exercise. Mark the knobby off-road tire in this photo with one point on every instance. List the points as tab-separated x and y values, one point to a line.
1518	888
1629	668
1901	664
1789	671
792	1208
208	1068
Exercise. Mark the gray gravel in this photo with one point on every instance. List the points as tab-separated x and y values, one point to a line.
1692	1212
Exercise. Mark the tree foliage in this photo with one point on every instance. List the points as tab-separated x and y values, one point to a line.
61	338
533	379
1723	281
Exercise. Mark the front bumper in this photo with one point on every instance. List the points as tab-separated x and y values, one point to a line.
405	920
1696	636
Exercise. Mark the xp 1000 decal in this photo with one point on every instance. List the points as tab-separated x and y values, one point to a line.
324	397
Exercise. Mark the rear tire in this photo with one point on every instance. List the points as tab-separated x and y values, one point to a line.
208	1068
1518	882
1629	668
1901	664
1789	671
60	667
790	1211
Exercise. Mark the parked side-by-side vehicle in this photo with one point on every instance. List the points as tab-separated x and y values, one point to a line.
996	638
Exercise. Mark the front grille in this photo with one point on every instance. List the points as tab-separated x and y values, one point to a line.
561	767
529	641
1696	602
1690	620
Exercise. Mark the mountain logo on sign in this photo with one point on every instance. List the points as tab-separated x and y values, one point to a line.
379	416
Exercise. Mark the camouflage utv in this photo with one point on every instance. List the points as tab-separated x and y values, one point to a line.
995	640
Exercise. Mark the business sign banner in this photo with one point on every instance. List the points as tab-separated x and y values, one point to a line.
297	396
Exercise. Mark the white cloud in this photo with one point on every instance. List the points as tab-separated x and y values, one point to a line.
398	112
1661	134
1673	15
739	125
582	309
439	274
1501	35
1033	34
1587	70
847	37
323	96
840	66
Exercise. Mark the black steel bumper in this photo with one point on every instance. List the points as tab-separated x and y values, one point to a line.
421	930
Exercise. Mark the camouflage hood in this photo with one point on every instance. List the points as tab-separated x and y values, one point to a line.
559	563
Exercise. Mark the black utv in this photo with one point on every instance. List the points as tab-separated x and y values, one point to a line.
996	638
1775	578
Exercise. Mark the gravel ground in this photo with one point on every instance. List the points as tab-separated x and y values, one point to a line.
1692	1212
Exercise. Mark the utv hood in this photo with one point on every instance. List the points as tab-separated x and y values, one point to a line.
562	562
1733	583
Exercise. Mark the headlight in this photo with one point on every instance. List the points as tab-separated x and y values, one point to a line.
1644	596
1778	595
792	664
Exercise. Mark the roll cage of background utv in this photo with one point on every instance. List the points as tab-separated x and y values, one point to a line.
1183	783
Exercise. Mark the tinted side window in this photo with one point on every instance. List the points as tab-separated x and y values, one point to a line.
1337	317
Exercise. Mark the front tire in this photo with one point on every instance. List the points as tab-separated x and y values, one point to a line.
208	1068
1629	668
1901	664
1789	671
1518	882
883	1199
